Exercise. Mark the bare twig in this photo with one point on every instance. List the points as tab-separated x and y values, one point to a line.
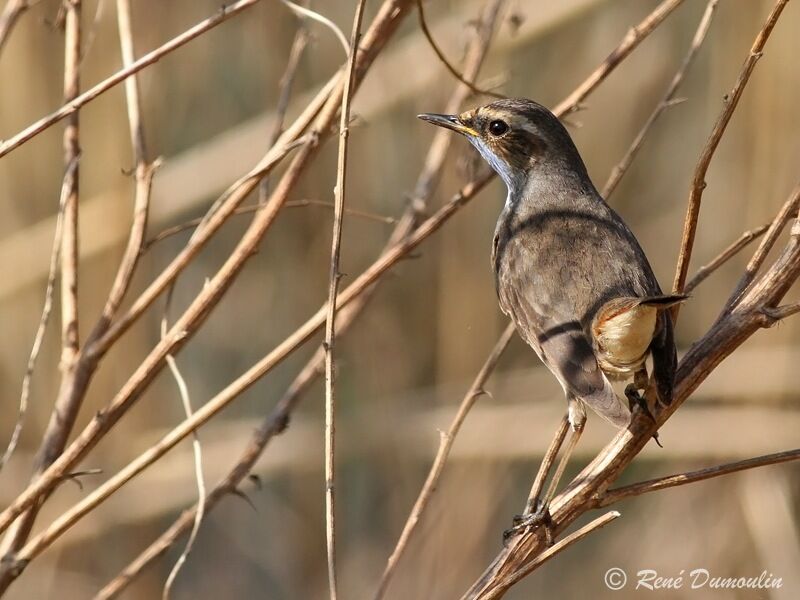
284	94
386	21
224	13
278	418
559	546
731	100
330	319
198	469
773	315
11	12
666	101
786	214
304	12
633	38
43	320
448	65
244	210
740	244
445	444
652	485
63	414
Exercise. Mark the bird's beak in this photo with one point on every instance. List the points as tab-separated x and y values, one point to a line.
449	122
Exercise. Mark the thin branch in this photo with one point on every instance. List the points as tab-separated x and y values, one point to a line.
307	13
63	415
731	100
778	313
43	320
550	552
661	483
243	210
12	11
445	444
197	452
131	390
69	239
723	257
384	25
224	13
448	65
330	319
284	94
786	214
633	38
666	101
278	419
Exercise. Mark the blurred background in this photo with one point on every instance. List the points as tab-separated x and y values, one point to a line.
407	362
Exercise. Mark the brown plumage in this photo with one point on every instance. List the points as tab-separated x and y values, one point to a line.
568	271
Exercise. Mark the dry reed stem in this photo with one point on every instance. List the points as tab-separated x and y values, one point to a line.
278	418
385	23
629	43
97	428
731	100
12	11
224	13
445	444
423	25
661	483
63	414
666	101
785	215
728	253
330	318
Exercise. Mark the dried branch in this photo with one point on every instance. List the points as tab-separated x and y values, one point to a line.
284	94
224	13
43	320
786	214
246	210
443	59
330	318
445	444
666	101
661	483
304	12
773	315
385	23
731	100
12	11
631	40
278	418
559	546
63	414
728	253
197	452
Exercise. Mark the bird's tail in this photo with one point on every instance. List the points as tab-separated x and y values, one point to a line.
663	301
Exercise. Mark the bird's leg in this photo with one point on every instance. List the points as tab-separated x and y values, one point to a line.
637	399
544	469
540	510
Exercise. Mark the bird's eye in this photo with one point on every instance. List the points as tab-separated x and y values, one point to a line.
498	127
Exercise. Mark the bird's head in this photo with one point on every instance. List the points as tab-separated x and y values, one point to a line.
519	138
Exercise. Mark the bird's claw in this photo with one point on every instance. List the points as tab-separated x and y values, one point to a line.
541	516
637	400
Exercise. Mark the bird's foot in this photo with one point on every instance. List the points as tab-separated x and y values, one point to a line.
540	516
636	400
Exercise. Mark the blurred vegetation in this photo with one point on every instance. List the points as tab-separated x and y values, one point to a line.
410	357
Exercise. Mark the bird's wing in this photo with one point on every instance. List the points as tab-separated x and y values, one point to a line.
561	343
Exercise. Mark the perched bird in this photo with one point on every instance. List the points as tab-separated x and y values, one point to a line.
568	271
